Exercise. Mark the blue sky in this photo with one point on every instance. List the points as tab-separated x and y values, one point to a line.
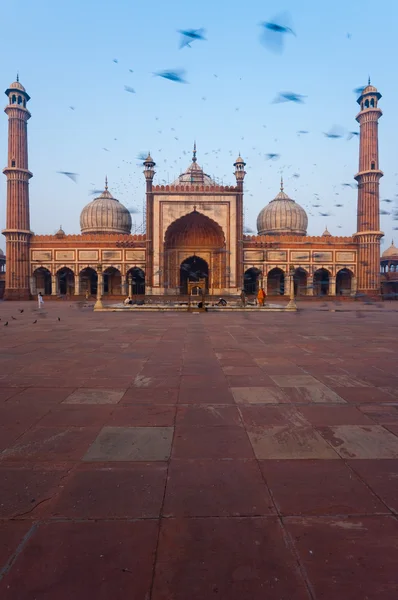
64	55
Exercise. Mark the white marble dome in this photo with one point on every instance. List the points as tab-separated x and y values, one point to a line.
105	214
282	216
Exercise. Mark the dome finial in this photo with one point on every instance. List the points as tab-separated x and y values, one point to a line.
194	152
281	183
18	77
369	80
106	183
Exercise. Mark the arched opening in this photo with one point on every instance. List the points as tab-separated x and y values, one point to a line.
366	103
19	100
193	269
251	280
373	165
300	282
343	282
188	236
14	98
137	281
321	282
372	102
43	281
112	282
66	281
276	282
88	281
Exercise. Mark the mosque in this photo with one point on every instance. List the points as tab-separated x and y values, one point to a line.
194	231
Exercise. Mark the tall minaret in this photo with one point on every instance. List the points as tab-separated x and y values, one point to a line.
368	234
17	232
149	172
240	173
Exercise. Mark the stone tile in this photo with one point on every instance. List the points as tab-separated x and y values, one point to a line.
7	393
263	380
150	396
95	396
112	492
259	395
142	382
289	442
131	444
143	415
201	382
206	395
314	487
24	490
95	560
264	415
218	488
345	381
381	476
325	415
352	558
39	395
313	394
362	441
231	558
380	413
12	535
211	442
76	415
51	444
294	380
362	395
207	415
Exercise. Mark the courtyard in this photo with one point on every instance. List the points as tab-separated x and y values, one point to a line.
193	456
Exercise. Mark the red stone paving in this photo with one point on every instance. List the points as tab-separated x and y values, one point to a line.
174	456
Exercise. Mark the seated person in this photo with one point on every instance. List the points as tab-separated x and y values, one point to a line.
127	301
221	302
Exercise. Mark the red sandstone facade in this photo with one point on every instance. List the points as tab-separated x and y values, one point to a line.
193	226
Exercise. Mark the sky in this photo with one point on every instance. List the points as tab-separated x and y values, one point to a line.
83	120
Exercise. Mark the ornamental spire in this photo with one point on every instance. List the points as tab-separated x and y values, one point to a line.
106	183
281	183
194	152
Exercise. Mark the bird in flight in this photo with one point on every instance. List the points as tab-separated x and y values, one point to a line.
334	133
177	75
352	134
289	97
127	88
190	35
274	32
272	156
72	176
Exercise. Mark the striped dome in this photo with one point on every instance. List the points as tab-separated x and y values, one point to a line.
282	216
105	214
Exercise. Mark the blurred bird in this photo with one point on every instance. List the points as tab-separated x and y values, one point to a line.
106	149
92	192
59	319
301	132
351	134
115	60
131	71
5	324
359	90
34	322
72	176
177	75
190	35
272	156
248	230
335	132
133	211
387	200
127	88
13	318
289	97
274	32
21	310
72	107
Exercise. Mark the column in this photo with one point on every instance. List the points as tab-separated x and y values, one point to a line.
287	285
353	286
332	285
123	286
53	285
77	285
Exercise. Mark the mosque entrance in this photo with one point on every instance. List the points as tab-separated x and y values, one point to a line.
251	280
276	282
321	282
193	269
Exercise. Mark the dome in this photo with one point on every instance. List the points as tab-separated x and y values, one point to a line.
391	252
282	216
194	175
239	161
326	233
105	214
17	86
60	233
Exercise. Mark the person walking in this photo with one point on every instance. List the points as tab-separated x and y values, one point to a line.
261	296
40	300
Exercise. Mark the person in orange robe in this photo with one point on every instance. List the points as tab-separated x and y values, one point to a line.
261	296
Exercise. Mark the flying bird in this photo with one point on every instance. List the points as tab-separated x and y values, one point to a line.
335	132
190	35
115	60
351	134
95	192
274	33
177	75
127	88
289	97
302	131
359	90
72	176
272	156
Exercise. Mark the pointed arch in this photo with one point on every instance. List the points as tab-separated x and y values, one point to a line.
42	277
276	282
194	230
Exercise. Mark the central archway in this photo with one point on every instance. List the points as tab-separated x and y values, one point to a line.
198	243
193	269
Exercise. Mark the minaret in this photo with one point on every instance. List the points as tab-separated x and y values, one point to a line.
149	172
240	173
17	232
368	234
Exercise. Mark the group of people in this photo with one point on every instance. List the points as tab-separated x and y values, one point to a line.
260	297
